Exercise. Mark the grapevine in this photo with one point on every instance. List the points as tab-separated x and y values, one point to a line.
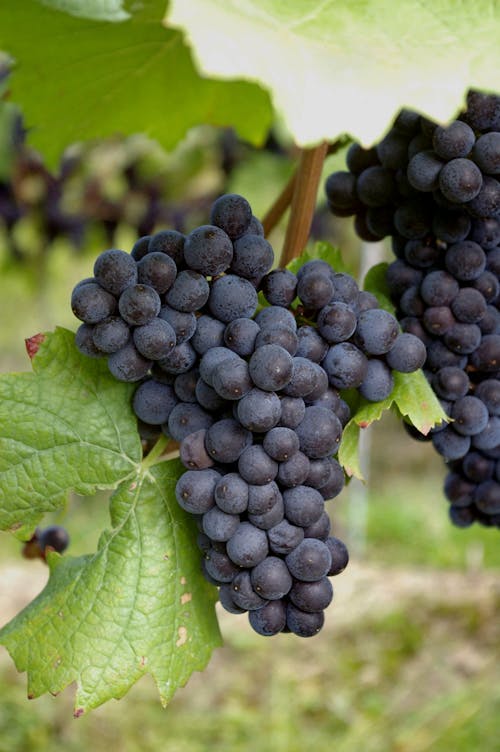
215	386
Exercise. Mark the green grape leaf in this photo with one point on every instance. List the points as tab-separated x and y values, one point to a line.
375	283
68	425
98	10
365	414
138	605
320	250
8	114
84	78
415	399
411	397
348	454
348	67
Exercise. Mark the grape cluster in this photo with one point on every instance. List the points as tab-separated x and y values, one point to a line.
252	396
435	191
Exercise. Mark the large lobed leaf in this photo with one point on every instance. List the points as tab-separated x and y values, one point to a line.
78	78
66	426
348	67
139	604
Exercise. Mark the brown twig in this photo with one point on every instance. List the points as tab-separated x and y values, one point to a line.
275	213
305	190
279	207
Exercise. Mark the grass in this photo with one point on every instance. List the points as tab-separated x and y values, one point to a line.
408	660
408	679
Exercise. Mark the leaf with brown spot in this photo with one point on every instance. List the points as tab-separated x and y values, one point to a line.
124	615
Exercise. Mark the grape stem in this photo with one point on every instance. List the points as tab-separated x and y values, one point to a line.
275	213
303	201
155	455
273	216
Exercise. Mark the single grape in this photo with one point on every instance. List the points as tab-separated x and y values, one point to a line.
486	153
310	344
219	525
226	440
276	316
219	566
319	432
231	494
293	472
269	619
271	367
253	256
312	597
140	247
303	506
111	334
115	270
279	287
284	537
139	304
84	341
454	140
128	364
259	410
155	339
186	418
91	303
53	537
233	382
256	466
376	331
336	322
292	411
271	579
189	292
460	180
209	333
407	354
157	270
192	452
232	213
278	335
281	443
339	554
185	385
310	561
153	402
423	170
240	336
248	545
378	382
345	365
232	297
194	490
208	250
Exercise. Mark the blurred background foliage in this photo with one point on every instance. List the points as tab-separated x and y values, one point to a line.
409	659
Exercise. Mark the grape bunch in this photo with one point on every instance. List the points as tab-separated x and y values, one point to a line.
252	394
435	191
